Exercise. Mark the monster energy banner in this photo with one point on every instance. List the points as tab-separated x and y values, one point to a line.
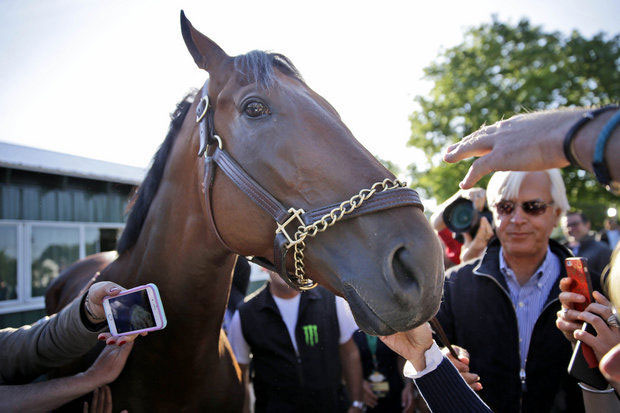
311	334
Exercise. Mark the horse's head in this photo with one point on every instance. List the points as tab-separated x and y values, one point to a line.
386	262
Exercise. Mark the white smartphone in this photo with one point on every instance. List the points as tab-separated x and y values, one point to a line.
135	311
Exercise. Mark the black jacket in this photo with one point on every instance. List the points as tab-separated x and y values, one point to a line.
478	315
283	380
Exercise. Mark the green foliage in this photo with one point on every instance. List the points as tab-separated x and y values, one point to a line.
500	70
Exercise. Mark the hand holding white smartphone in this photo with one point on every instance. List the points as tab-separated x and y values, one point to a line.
135	311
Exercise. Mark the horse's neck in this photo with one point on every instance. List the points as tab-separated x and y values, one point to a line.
177	250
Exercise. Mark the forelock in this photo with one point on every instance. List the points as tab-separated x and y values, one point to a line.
258	67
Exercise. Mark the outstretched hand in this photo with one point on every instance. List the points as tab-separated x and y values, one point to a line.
109	364
529	142
411	344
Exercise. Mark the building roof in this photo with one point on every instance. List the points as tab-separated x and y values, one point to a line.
40	160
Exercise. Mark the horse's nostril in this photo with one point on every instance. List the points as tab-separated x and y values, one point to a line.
403	269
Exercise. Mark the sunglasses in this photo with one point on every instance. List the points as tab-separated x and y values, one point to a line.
534	207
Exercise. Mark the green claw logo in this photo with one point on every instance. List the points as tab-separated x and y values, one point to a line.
311	334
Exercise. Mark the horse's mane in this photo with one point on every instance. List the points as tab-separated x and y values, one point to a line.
139	205
256	66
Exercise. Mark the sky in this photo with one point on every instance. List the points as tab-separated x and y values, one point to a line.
100	78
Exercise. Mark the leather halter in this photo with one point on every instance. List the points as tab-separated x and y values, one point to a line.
284	217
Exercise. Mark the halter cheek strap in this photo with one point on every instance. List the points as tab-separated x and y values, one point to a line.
293	225
204	118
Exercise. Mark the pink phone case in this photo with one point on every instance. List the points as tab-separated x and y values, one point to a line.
159	308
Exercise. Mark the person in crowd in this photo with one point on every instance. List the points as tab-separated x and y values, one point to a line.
525	142
467	248
501	308
30	351
610	233
445	390
385	388
301	346
576	227
238	289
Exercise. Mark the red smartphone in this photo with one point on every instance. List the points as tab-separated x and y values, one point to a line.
583	364
577	270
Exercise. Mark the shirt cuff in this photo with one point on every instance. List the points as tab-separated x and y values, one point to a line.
433	357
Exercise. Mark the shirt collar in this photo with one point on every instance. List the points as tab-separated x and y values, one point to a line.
544	269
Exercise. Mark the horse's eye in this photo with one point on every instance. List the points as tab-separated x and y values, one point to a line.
256	109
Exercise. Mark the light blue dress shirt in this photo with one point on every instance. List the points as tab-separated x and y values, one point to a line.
529	299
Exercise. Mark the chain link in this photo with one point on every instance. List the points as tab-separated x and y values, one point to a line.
329	219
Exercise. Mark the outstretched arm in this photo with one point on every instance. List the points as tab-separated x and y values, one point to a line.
29	351
48	395
352	370
440	383
533	142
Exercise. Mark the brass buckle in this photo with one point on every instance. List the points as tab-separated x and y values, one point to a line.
204	100
295	213
219	141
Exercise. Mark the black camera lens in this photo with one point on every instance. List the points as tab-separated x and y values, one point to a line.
461	216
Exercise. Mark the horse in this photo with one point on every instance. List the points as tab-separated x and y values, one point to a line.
269	142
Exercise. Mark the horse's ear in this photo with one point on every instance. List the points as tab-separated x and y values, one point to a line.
206	53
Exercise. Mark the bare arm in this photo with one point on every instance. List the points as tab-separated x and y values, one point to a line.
43	396
534	142
352	369
245	377
48	395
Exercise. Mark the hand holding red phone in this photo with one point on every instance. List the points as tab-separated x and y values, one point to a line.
606	336
583	364
576	295
567	321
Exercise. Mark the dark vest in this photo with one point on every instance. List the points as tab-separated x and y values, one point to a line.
283	380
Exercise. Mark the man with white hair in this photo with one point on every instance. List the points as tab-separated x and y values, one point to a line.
502	307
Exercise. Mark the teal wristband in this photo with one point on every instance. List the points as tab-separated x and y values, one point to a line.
598	162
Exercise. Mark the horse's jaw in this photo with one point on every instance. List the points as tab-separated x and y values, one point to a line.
381	325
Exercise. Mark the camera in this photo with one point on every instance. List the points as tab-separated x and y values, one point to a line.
461	216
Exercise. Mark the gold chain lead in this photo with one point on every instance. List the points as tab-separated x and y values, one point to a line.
327	221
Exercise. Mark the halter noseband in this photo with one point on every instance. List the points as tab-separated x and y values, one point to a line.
386	194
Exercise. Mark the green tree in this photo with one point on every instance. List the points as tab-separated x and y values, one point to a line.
500	70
